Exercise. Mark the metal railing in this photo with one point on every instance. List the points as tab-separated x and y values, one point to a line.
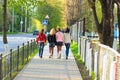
13	62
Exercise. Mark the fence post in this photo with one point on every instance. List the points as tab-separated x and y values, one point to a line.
0	66
34	45
27	50
118	68
98	64
85	50
11	64
23	54
18	58
31	48
80	45
77	30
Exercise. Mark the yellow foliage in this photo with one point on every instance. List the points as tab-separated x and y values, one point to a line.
37	24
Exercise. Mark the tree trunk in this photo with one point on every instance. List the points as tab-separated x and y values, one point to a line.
105	27
4	26
107	23
4	22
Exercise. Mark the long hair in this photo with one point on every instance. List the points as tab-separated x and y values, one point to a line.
52	31
67	30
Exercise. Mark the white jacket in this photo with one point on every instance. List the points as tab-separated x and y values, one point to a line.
67	38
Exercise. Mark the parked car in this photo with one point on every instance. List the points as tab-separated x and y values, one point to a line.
35	32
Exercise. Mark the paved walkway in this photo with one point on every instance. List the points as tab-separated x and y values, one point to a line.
50	69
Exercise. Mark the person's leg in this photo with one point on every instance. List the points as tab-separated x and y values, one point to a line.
57	51
67	49
42	48
60	51
53	51
50	52
39	51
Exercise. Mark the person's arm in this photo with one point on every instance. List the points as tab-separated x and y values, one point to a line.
55	39
48	38
71	38
45	38
63	38
37	39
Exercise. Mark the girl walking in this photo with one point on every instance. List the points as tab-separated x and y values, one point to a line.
67	42
60	42
52	41
41	40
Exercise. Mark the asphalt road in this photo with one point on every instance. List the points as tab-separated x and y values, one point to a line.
15	40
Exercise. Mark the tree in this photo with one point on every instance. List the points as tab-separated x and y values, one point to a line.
22	11
4	25
73	11
55	11
105	26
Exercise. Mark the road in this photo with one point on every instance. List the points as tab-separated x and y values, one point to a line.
15	40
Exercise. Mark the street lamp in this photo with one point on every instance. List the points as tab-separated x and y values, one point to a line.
47	17
21	23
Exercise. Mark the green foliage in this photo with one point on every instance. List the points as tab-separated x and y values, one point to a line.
19	9
22	66
53	12
93	75
118	46
1	13
87	13
36	9
98	9
79	61
74	48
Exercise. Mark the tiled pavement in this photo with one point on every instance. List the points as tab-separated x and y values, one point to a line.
50	69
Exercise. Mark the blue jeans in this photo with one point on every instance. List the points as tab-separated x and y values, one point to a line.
67	45
41	48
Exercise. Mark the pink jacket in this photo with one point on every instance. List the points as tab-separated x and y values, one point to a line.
59	37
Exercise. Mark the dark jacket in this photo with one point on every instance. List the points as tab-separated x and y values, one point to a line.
51	38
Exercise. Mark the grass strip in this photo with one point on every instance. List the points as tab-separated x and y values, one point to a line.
80	63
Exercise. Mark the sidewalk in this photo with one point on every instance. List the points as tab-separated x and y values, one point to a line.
50	69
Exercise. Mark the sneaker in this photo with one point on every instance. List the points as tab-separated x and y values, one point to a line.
40	56
50	56
66	58
59	56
